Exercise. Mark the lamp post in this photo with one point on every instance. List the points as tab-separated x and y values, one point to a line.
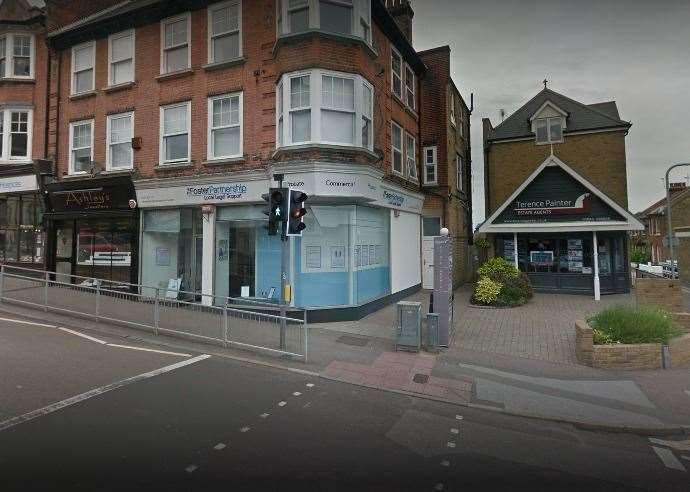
668	216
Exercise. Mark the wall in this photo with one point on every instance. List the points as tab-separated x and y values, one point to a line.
405	251
683	256
664	294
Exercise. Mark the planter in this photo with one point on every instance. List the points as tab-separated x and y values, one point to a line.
627	356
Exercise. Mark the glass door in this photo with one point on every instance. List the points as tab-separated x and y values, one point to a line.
242	259
64	251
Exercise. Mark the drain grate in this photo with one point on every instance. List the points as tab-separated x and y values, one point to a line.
354	341
421	378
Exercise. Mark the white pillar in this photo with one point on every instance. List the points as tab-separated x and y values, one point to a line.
208	252
515	250
595	249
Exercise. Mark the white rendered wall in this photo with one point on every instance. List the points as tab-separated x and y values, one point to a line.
406	261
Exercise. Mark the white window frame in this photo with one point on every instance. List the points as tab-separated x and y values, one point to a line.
169	20
549	140
352	112
434	164
72	124
316	107
410	89
361	17
209	135
161	143
111	61
6	134
217	6
108	158
400	150
452	109
369	117
9	56
395	74
459	184
411	161
73	83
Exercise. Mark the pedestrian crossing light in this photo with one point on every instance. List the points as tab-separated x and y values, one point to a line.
277	209
295	224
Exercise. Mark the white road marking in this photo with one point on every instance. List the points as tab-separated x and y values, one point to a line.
191	468
219	447
458	417
454	431
27	322
445	463
450	444
687	392
296	393
264	415
148	350
307	405
686	457
438	486
93	339
310	385
669	459
245	429
677	445
282	403
54	407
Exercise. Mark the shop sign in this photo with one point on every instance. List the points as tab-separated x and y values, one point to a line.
581	205
18	184
197	194
221	192
89	199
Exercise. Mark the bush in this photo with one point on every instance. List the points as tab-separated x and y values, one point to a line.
497	268
515	291
626	324
639	255
486	292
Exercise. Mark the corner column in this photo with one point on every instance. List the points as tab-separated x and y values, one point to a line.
515	250
208	251
595	250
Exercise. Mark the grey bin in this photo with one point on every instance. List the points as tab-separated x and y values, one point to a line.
431	341
408	329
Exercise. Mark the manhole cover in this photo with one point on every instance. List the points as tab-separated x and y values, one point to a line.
354	341
421	378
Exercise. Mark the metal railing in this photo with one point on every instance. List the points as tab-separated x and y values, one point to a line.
236	322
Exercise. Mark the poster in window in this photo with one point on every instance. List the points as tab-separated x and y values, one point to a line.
337	256
365	255
509	249
357	254
372	254
162	257
63	248
541	257
314	257
379	255
574	244
223	250
575	266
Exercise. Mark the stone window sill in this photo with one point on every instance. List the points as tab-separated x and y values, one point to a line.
222	162
83	95
174	165
118	172
224	64
17	80
118	87
175	75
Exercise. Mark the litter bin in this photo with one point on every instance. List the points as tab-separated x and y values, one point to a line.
408	328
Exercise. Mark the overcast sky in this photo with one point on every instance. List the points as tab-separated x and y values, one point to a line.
636	52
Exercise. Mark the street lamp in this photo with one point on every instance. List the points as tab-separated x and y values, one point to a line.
668	216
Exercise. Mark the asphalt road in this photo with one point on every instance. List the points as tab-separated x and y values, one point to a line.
216	423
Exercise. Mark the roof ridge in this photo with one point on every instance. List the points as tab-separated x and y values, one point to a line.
617	120
518	110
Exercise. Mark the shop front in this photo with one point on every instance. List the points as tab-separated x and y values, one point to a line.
22	238
210	237
564	233
93	229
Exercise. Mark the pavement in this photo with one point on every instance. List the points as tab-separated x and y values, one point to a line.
126	414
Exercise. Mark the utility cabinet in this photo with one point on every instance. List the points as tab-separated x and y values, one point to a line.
409	326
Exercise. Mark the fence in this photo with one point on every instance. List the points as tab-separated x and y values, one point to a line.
242	323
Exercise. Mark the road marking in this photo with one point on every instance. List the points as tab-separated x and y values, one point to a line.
450	444
245	429
282	403
455	431
148	350
677	445
445	463
687	392
296	393
438	486
458	417
219	447
264	415
191	468
669	459
686	457
307	405
82	335
54	407
27	322
310	385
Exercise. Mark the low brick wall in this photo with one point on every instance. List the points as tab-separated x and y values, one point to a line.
614	356
682	321
660	293
584	343
680	351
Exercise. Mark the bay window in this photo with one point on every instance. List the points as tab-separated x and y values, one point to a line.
335	16
175	43
17	56
224	31
120	130
175	135
80	146
15	134
225	126
121	58
83	63
324	107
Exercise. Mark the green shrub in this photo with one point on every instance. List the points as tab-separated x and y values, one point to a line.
639	255
626	324
482	243
486	291
515	291
497	268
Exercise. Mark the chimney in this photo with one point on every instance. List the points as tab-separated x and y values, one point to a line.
402	12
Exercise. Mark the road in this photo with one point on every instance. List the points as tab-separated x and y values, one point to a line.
132	419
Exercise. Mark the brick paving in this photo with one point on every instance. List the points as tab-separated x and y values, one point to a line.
543	329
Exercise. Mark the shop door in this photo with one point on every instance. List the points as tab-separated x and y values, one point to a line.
242	258
64	251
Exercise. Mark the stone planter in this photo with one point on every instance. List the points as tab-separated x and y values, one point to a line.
627	356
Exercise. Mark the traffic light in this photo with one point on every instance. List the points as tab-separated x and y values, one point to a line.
295	224
277	209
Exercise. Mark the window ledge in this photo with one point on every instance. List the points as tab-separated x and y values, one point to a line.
117	172
223	161
299	36
118	87
17	80
175	75
224	64
9	162
71	177
318	146
411	112
83	95
173	165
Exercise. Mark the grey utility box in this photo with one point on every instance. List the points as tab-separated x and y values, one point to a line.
431	340
408	329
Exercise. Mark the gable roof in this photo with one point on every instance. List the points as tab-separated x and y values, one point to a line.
20	11
630	222
580	117
659	207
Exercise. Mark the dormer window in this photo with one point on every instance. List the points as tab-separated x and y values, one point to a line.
549	130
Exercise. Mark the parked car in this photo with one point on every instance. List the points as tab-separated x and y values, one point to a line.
667	271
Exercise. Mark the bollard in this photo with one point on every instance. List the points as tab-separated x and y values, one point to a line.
98	301
225	325
156	312
2	281
45	292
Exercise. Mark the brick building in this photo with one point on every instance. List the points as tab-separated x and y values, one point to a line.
169	119
556	194
23	97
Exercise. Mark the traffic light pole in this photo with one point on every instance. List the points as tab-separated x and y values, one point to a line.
284	265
